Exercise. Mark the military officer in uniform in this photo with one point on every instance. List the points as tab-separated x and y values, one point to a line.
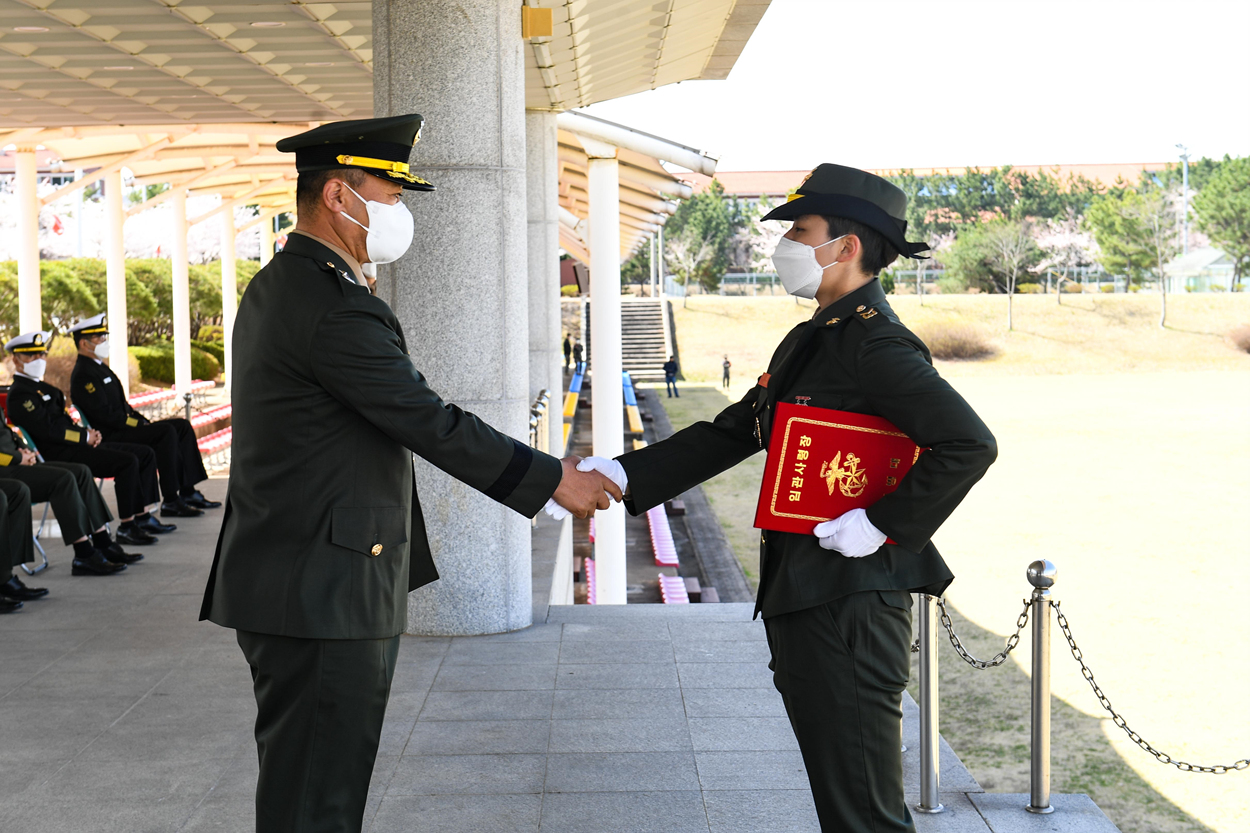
39	408
80	509
322	536
837	604
16	545
98	396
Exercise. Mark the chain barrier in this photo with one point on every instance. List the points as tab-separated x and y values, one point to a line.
1163	758
994	661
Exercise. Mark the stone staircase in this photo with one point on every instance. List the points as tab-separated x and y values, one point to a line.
642	338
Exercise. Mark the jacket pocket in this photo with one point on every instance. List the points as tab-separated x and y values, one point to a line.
900	599
369	530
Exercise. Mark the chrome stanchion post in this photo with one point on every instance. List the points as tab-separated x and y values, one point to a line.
929	774
186	398
1042	576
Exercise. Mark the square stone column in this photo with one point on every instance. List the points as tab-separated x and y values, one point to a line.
542	188
462	291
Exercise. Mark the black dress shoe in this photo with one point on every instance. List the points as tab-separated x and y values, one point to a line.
198	501
154	527
179	509
117	555
9	605
96	565
130	533
18	592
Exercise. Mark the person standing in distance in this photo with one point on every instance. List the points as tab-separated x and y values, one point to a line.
322	536
579	366
725	365
568	351
670	377
837	604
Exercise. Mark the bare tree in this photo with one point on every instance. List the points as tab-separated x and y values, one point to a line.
1012	251
1157	215
687	252
1066	245
764	243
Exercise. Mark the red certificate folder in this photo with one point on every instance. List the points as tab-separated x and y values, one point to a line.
822	463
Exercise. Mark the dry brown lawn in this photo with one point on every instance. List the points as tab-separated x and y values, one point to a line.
1125	459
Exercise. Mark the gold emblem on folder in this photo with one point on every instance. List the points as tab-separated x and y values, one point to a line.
847	477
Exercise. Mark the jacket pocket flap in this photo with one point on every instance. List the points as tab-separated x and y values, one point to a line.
900	599
369	529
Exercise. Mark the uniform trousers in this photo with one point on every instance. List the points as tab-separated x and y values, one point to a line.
841	668
319	710
80	508
132	467
177	454
15	526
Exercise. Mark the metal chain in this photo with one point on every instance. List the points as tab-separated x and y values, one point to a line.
997	659
1219	769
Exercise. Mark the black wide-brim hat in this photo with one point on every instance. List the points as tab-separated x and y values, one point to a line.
838	191
380	147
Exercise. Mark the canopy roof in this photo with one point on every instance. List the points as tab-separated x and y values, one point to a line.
96	62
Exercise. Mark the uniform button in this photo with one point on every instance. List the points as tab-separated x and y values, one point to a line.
377	549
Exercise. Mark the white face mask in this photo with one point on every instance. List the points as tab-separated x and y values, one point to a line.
798	268
36	368
390	229
102	349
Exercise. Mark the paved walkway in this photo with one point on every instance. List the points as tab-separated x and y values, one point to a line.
120	712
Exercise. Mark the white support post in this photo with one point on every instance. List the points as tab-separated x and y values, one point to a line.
29	302
229	288
115	265
651	243
266	242
607	391
659	260
181	295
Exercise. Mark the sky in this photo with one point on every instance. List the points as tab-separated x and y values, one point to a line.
938	83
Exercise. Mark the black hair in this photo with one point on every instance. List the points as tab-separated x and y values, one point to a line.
876	252
309	185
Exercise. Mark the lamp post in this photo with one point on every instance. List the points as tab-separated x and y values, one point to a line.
1184	198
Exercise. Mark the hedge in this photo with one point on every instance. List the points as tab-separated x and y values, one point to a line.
156	362
216	349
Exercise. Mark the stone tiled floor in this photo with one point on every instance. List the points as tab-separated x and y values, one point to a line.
120	712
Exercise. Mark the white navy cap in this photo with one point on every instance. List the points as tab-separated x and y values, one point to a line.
92	326
36	341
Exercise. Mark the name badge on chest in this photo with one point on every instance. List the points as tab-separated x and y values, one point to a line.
108	380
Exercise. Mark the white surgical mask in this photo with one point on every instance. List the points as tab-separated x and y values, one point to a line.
36	368
797	266
102	350
390	229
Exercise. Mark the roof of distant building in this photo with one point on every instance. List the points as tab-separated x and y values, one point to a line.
777	184
1198	261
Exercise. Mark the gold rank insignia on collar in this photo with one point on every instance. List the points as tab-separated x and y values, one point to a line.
832	321
867	314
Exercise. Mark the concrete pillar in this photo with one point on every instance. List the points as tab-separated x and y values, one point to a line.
607	395
266	242
651	243
659	261
229	288
181	294
462	291
29	302
542	189
115	270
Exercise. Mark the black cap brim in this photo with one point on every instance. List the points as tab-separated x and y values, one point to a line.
852	208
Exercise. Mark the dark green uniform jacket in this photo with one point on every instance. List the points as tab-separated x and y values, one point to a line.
39	407
322	536
98	395
856	356
10	448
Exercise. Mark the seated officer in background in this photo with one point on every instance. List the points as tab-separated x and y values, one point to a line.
39	409
98	395
16	545
77	502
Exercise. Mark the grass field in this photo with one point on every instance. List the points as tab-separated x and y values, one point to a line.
1125	459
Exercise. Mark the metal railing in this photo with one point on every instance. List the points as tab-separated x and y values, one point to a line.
1041	575
540	434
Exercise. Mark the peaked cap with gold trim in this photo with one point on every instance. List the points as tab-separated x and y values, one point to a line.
93	326
36	341
838	191
376	146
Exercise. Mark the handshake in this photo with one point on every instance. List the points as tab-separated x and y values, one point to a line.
587	485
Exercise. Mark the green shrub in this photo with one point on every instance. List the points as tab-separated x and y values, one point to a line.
887	283
216	349
211	332
569	291
950	284
1073	288
1030	289
1107	288
156	362
955	340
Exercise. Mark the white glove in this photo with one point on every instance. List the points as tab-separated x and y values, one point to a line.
851	534
610	469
